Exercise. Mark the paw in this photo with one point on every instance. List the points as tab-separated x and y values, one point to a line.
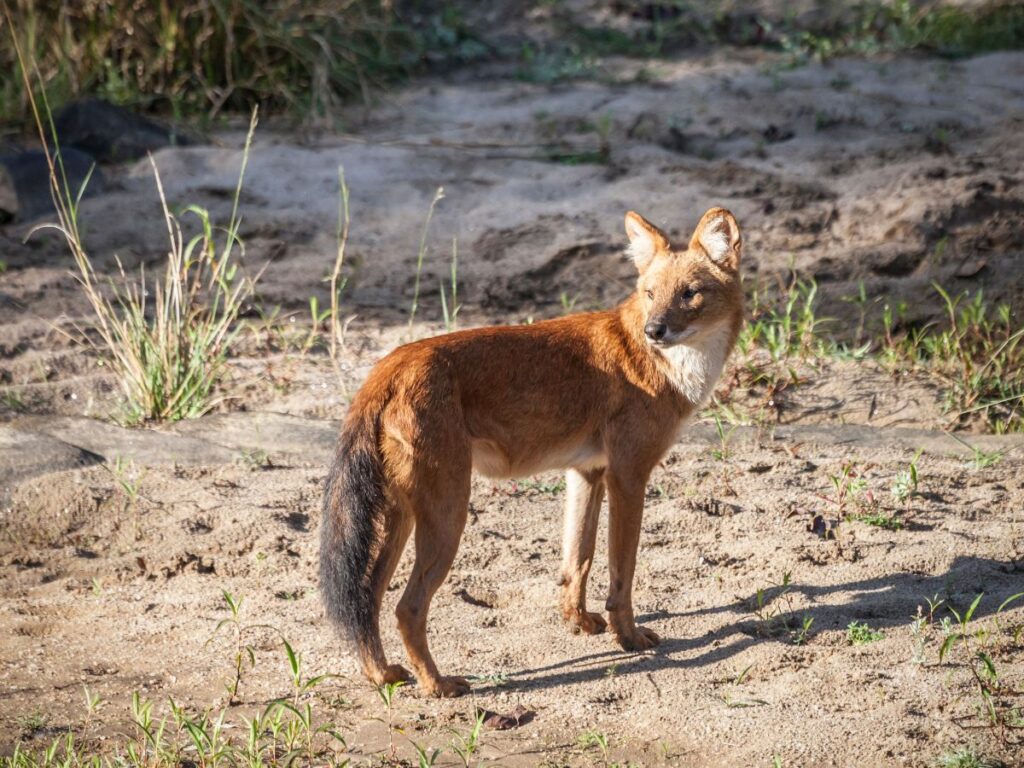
637	639
586	622
392	673
395	673
446	687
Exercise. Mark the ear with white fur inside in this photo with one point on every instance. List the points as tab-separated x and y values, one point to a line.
645	240
718	235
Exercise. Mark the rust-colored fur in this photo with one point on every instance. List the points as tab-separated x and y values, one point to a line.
602	395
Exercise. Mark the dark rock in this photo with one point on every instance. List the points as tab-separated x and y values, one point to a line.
112	134
24	455
25	181
774	133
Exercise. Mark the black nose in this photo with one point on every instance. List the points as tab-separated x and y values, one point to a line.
655	331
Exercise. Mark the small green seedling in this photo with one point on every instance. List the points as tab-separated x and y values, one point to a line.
859	633
594	738
316	319
93	701
387	693
300	684
32	723
772	611
424	758
979	459
242	652
467	745
802	635
881	520
127	476
722	453
850	488
450	307
255	458
495	679
421	253
964	757
541	486
904	485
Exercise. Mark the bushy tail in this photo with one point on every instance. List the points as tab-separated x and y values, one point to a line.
354	505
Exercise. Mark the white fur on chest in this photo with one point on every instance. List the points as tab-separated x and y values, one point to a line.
695	365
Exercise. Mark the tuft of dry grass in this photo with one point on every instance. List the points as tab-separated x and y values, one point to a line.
166	340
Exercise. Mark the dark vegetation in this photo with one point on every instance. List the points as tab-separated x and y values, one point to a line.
304	58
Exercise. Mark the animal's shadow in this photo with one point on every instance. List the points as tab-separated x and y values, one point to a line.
882	602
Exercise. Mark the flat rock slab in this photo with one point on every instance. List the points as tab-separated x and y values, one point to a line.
34	446
25	454
859	437
213	440
276	433
145	447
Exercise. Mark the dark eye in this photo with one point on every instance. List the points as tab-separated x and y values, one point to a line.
650	295
689	293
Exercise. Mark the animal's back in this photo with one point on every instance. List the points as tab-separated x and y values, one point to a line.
528	397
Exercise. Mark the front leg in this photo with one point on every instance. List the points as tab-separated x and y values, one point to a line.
584	492
626	509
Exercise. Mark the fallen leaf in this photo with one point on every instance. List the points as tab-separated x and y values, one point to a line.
517	717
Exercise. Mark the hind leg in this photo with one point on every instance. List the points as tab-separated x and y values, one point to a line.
382	568
441	510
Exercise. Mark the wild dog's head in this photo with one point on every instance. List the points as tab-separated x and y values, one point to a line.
686	293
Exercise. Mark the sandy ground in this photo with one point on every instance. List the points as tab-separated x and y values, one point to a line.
896	172
124	597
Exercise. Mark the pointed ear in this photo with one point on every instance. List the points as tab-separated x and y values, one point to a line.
645	240
718	235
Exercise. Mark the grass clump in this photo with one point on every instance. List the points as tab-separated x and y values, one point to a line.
953	30
975	351
787	328
978	356
900	25
306	57
780	340
844	29
166	340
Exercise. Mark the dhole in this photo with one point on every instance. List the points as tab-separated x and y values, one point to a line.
602	395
